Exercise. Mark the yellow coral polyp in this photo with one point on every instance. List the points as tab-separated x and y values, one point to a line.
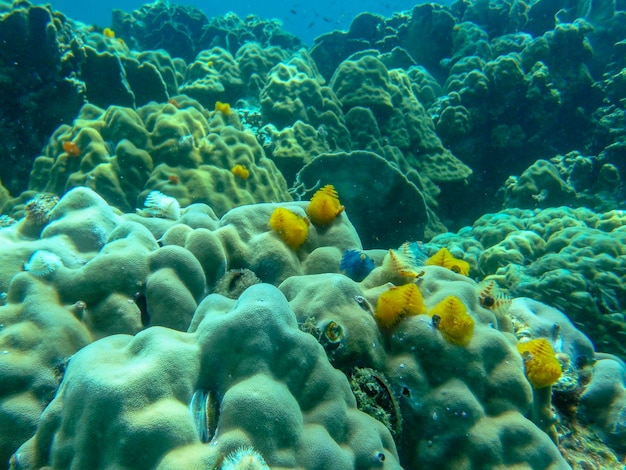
240	171
290	227
542	366
398	302
455	324
223	108
324	206
445	259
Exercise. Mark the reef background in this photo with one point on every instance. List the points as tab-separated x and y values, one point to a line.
141	164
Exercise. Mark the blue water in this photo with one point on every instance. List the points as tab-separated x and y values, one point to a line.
305	19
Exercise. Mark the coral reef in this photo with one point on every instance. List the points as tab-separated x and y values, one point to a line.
210	229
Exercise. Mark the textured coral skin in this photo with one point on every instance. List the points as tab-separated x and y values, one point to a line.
267	374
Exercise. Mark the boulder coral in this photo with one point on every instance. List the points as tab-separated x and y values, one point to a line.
266	381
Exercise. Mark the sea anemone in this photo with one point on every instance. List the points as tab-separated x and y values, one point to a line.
290	227
240	171
42	263
444	258
356	265
324	206
397	303
159	205
451	318
542	366
244	458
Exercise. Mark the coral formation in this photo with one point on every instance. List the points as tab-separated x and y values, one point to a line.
159	246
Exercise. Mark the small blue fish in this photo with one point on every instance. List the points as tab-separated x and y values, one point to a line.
356	265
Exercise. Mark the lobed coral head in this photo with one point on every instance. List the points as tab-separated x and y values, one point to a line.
542	366
445	259
290	227
324	206
398	302
455	324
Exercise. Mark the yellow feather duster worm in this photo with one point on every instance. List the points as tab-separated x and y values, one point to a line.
541	364
324	206
290	227
398	302
444	258
452	319
240	171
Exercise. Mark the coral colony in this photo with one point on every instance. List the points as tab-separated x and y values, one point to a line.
401	247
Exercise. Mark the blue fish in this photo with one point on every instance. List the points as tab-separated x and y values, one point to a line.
356	265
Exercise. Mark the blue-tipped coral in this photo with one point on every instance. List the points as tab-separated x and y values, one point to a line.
356	265
244	458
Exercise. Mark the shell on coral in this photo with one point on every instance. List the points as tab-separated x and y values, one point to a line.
445	259
452	320
244	458
290	227
204	409
159	205
543	368
398	302
42	263
324	206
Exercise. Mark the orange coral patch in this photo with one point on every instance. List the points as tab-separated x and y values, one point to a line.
71	149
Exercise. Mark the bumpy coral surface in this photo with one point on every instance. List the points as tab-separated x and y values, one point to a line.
276	378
